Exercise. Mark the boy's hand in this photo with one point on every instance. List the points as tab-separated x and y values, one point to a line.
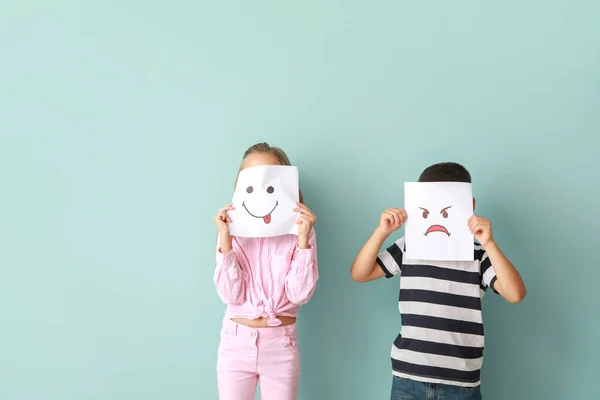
509	282
481	228
306	220
391	220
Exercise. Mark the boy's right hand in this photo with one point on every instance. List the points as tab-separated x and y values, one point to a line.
222	219
391	220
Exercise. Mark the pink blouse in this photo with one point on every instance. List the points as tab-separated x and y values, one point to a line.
266	277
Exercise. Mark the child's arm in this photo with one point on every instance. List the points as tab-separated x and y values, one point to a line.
365	267
508	281
301	280
230	279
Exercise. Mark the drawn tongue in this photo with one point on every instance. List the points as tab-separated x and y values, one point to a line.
267	219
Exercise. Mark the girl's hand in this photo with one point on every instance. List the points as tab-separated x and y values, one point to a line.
391	220
306	220
222	219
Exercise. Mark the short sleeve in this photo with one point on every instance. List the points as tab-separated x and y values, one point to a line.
390	260
488	274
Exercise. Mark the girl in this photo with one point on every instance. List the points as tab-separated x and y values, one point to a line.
263	281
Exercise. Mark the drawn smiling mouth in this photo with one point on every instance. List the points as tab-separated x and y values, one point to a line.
437	228
266	218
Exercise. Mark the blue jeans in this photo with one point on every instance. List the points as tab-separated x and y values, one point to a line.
407	389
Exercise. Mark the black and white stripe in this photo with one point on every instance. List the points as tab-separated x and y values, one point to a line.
442	337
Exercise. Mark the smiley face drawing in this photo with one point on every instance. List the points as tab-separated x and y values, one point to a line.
264	200
436	227
265	217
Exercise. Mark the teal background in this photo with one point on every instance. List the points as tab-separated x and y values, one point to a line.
122	124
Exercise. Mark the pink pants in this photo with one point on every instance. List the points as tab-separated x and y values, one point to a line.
267	355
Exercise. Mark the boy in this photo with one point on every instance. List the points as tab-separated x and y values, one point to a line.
439	353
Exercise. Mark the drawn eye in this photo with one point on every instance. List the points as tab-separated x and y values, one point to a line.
444	211
270	189
249	189
425	214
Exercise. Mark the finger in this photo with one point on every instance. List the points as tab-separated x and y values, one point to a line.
397	218
223	215
308	218
401	215
479	228
304	209
386	216
306	222
303	220
303	206
393	215
227	208
478	220
404	215
476	229
311	216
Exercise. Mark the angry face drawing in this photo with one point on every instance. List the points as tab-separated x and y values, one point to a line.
436	227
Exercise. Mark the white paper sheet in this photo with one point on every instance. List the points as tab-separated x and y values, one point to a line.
264	199
437	228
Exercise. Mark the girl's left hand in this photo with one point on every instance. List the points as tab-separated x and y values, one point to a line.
306	220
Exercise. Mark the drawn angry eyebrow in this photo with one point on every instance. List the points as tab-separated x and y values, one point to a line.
424	209
444	209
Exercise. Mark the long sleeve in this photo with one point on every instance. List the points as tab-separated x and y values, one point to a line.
229	278
303	274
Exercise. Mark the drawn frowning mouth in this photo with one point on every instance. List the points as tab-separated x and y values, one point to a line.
437	228
266	218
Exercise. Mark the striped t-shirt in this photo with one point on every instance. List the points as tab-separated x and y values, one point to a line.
442	327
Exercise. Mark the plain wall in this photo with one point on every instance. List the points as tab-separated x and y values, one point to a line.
122	125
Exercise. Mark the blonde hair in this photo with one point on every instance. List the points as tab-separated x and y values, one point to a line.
276	152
